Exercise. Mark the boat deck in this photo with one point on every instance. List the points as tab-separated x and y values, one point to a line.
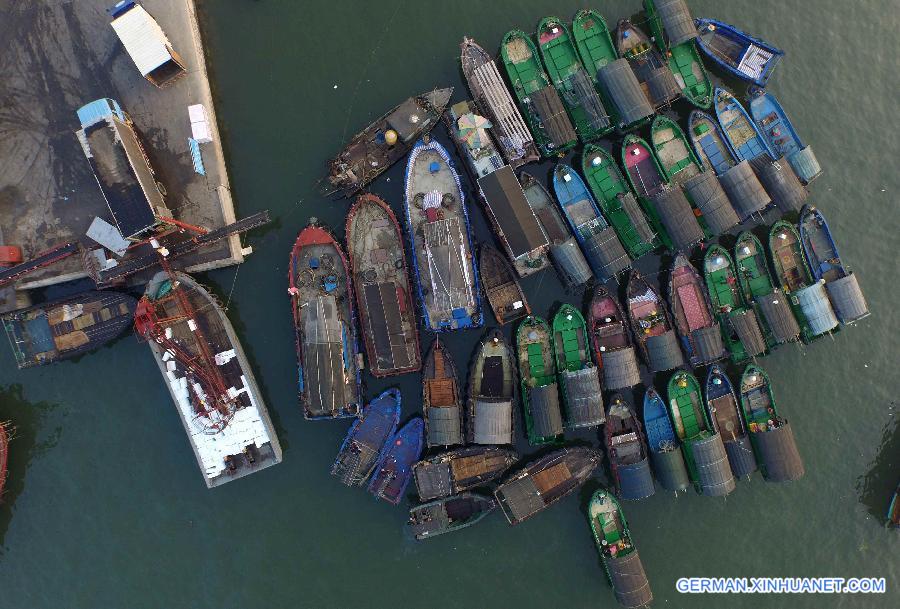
674	155
643	170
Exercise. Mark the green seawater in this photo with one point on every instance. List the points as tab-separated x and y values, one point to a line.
105	506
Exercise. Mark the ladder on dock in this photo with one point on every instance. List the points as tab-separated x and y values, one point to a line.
43	259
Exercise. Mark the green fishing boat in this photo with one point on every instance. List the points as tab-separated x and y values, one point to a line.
595	49
576	88
677	158
538	100
578	377
686	407
537	371
617	202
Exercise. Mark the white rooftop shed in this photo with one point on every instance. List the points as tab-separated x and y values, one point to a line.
146	43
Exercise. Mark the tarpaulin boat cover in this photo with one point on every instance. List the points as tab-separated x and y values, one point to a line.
663	352
433	480
323	355
778	455
521	497
662	87
778	316
618	80
805	164
744	190
816	307
570	262
584	400
709	197
847	298
678	218
443	426
780	182
553	115
493	421
580	91
545	414
740	456
670	469
714	477
620	369
635	480
676	20
636	216
747	328
507	203
629	581
606	254
708	343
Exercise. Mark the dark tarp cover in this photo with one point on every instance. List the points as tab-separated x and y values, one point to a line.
705	190
778	316
605	253
780	182
618	80
663	352
584	400
635	480
323	355
746	326
553	115
636	215
629	581
433	480
678	218
778	455
493	421
580	91
740	456
521	497
570	262
676	20
512	213
708	343
744	190
847	298
661	87
805	164
714	477
670	469
816	307
443	426
620	369
545	414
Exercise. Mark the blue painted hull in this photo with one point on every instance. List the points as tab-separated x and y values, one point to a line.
740	131
737	52
367	436
819	264
782	138
711	147
394	469
657	424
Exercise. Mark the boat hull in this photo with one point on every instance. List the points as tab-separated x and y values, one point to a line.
742	55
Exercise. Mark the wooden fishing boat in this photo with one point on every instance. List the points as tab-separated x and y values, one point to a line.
322	302
664	445
538	100
617	550
593	41
385	141
746	57
441	400
437	224
492	392
893	514
578	377
449	514
673	32
5	434
576	88
782	138
617	201
686	407
394	469
501	287
544	482
460	470
652	325
675	156
650	68
613	349
383	292
724	413
365	443
701	337
647	179
745	139
670	22
626	449
709	142
537	372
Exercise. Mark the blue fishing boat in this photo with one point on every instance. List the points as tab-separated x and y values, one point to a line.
746	57
709	142
597	238
363	447
441	241
394	469
665	449
781	136
725	414
743	136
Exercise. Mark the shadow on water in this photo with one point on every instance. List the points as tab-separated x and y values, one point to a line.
876	486
25	422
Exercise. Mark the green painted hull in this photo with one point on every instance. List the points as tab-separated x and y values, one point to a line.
646	204
753	274
725	295
691	75
595	48
608	524
540	372
756	416
570	346
688	415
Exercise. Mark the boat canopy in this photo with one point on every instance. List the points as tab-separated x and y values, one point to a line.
662	87
847	298
714	477
620	369
746	326
493	421
778	455
580	92
708	346
433	480
816	307
663	352
584	400
545	413
443	426
552	114
570	262
676	20
618	80
780	182
637	218
670	469
678	218
512	213
323	356
740	455
744	189
521	497
635	480
629	581
605	253
778	315
805	164
709	197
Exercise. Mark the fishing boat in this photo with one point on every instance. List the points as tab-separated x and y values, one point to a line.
449	514
613	349
593	42
67	327
565	252
647	179
537	374
540	103
725	415
826	265
460	470
575	87
383	292
757	286
441	400
771	436
542	483
366	441
470	133
673	32
440	239
394	469
578	377
385	141
652	325
617	201
490	94
665	447
597	238
779	132
675	156
705	454
893	513
492	392
5	434
650	68
746	57
617	550
701	337
740	326
742	134
501	287
325	326
626	449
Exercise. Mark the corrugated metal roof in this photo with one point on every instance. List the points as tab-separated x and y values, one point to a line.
747	328
635	480
606	254
744	189
780	182
144	40
664	352
847	298
779	317
708	343
708	195
618	79
740	456
584	400
713	471
678	218
545	413
569	260
670	469
432	480
620	369
677	21
629	581
778	455
493	421
817	308
513	214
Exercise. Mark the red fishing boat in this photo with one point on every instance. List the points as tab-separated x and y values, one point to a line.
4	449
